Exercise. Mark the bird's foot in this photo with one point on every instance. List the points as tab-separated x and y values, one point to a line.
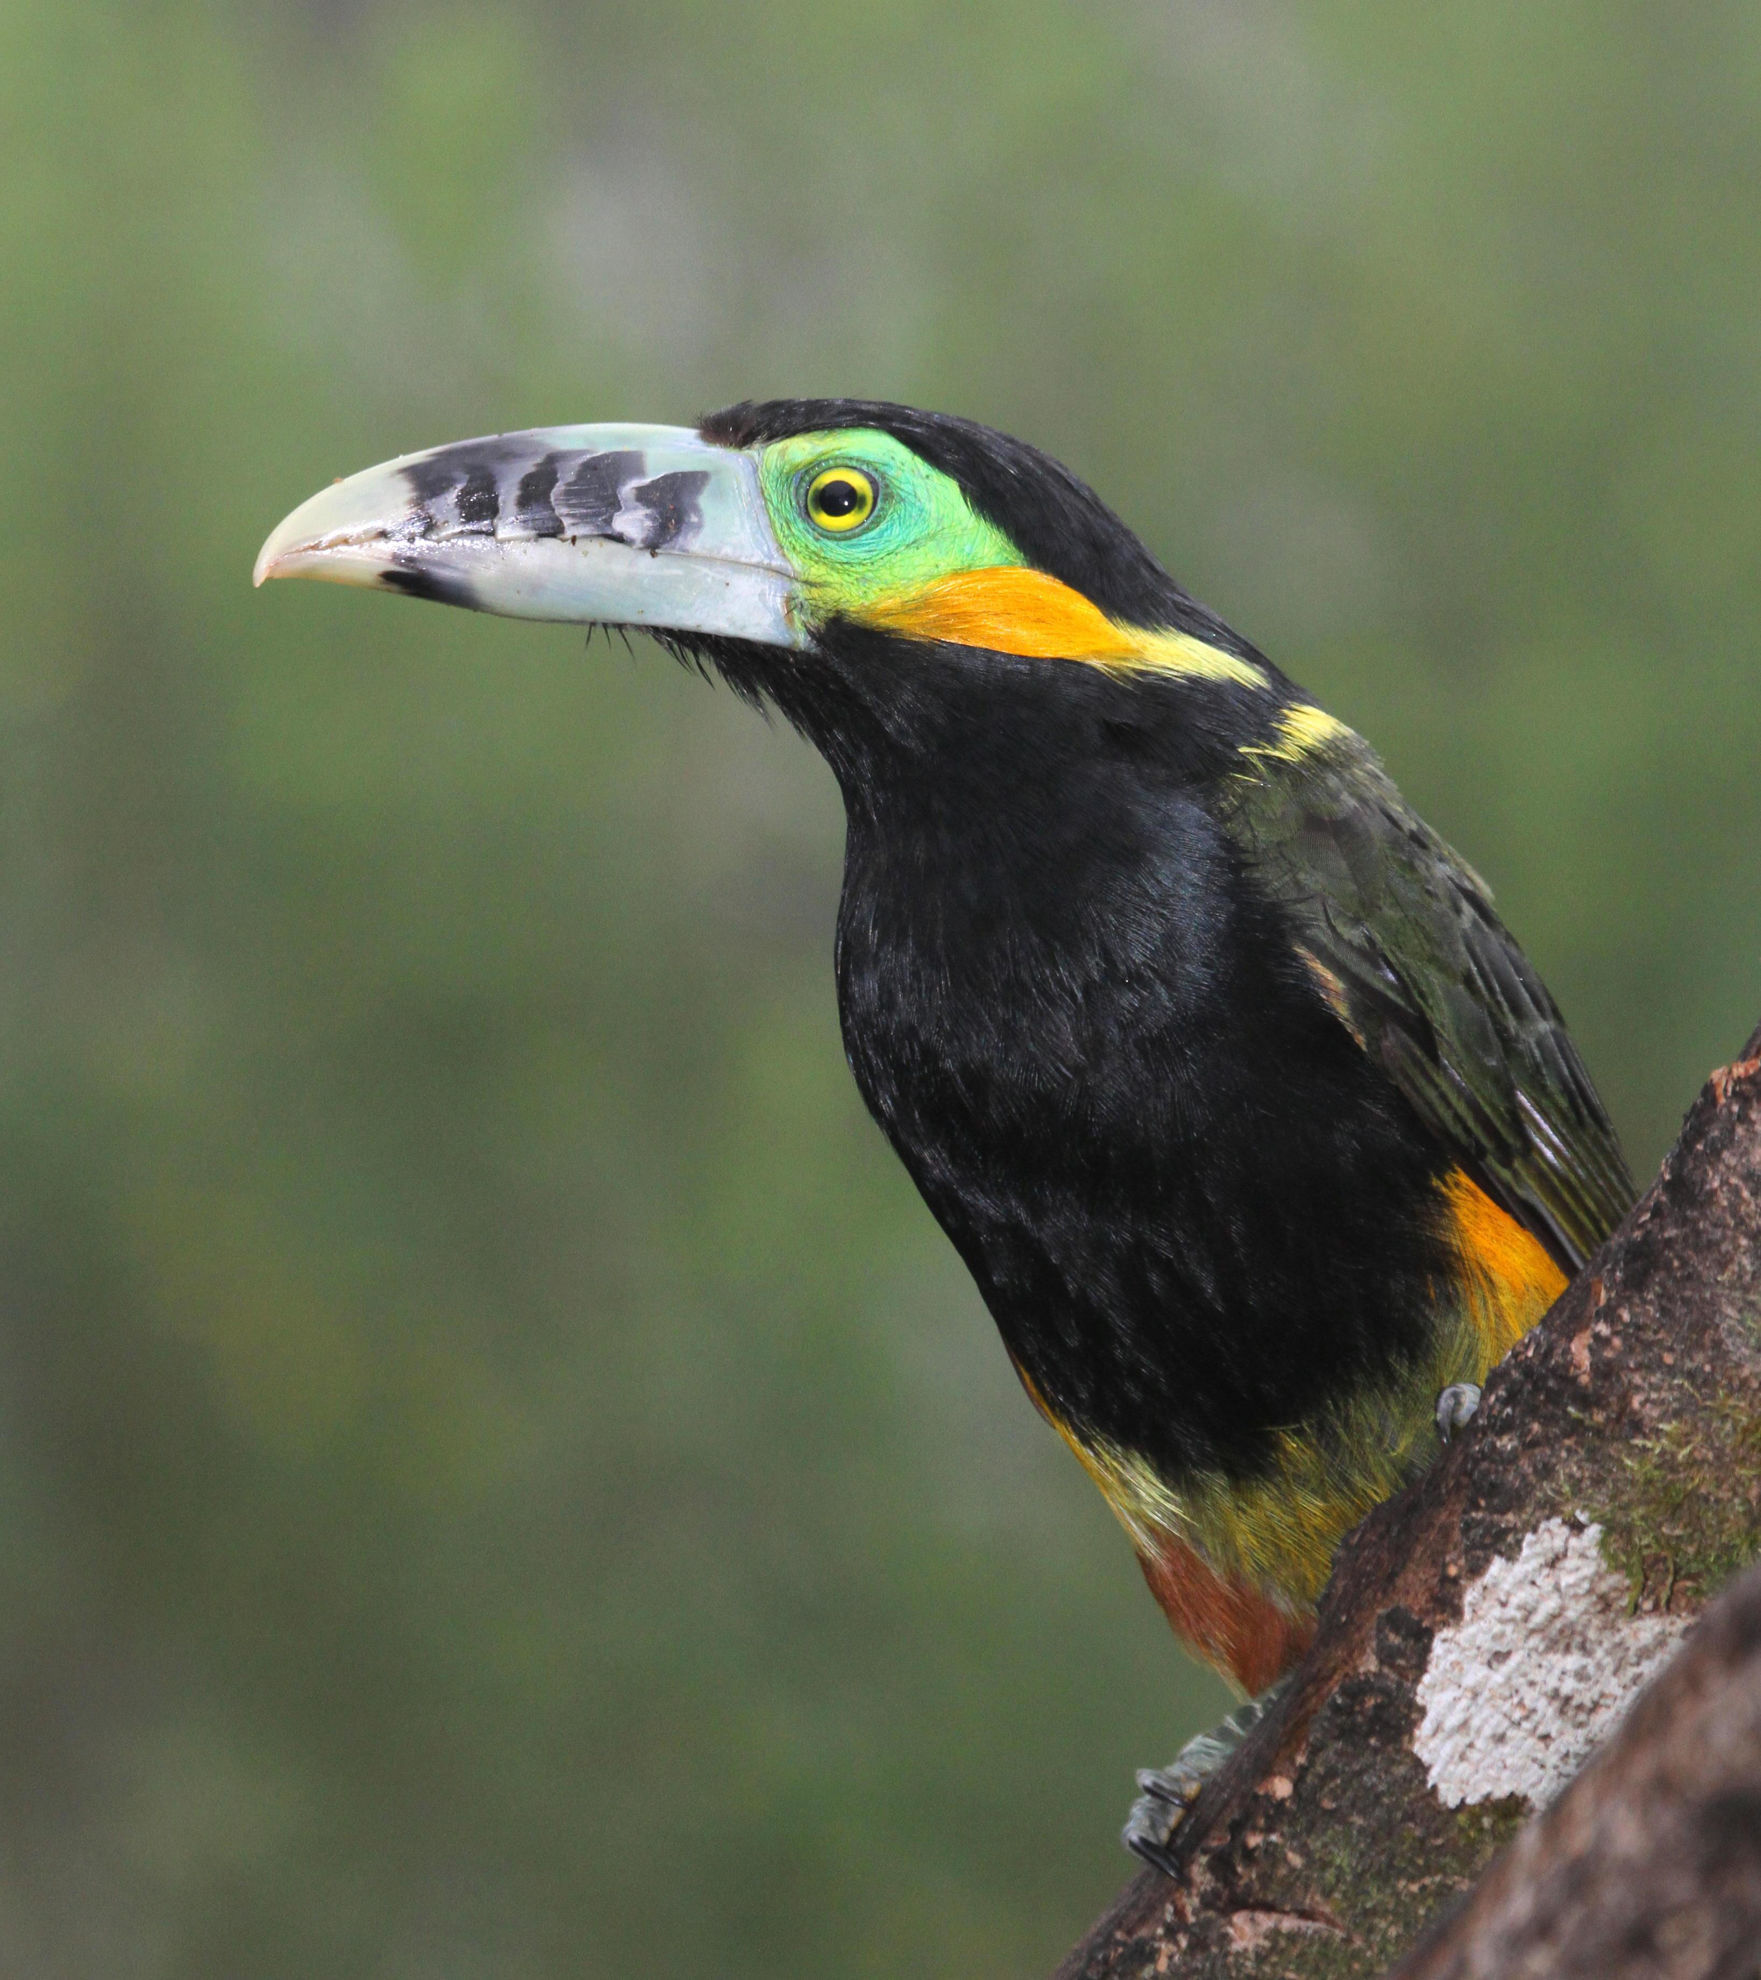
1457	1407
1166	1793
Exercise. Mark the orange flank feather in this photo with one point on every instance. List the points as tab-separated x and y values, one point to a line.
1510	1278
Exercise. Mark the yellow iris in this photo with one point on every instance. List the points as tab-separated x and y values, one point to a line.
841	499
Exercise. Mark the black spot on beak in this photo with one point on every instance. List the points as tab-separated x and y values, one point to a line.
588	502
433	479
534	512
438	587
492	488
479	501
470	475
672	505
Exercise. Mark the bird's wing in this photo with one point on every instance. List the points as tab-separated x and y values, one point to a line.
1399	934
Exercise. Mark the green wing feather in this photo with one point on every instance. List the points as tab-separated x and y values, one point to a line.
1399	933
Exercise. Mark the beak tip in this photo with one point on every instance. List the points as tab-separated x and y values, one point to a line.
270	559
285	557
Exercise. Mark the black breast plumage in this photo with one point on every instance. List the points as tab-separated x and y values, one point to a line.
1194	1208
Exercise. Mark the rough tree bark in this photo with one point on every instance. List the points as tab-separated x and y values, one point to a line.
1488	1629
1650	1863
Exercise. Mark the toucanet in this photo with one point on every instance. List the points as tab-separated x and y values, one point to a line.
1257	1130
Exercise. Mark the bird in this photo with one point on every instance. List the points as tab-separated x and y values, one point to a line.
1259	1134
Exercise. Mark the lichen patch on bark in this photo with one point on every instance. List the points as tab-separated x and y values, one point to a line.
1546	1658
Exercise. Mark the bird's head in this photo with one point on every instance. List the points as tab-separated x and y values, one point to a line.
795	544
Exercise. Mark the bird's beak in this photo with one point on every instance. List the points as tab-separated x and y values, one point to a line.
608	525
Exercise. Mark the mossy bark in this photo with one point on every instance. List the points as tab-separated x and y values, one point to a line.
1629	1422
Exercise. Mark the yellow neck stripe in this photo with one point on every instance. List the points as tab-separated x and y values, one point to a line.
1010	610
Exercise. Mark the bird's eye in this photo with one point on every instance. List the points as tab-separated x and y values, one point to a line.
841	499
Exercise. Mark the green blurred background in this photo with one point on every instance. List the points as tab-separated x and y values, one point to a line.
499	1476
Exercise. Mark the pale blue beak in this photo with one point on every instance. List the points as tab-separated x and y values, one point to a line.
606	525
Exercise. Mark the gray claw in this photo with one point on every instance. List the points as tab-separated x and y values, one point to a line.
1166	1793
1156	1814
1456	1408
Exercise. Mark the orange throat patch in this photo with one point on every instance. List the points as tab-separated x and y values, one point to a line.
1009	610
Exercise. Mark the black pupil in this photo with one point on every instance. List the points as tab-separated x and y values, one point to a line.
838	498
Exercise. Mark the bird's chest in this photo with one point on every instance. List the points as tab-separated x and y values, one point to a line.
1176	1180
1025	1023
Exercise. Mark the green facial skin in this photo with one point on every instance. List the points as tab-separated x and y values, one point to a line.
921	528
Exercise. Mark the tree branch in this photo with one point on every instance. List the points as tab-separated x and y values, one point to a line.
1651	1864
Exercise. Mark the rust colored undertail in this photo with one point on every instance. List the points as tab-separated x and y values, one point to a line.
1229	1624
